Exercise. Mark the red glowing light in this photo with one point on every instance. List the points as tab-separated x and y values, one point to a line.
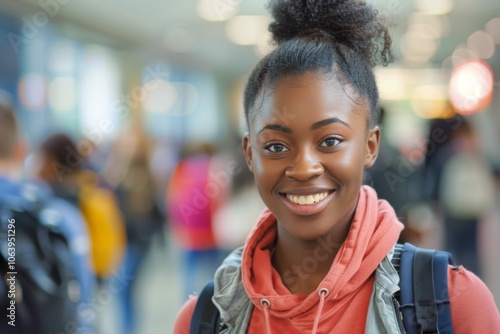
471	86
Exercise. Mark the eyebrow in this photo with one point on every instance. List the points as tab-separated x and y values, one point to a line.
315	126
276	127
327	121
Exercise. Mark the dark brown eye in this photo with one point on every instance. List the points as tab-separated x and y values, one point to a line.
277	148
330	142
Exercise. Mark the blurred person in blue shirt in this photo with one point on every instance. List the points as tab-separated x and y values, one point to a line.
15	189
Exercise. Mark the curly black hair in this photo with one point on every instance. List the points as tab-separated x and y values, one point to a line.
346	38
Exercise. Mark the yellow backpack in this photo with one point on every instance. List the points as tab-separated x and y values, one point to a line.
105	225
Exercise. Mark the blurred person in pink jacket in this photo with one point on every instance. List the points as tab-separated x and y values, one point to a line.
196	189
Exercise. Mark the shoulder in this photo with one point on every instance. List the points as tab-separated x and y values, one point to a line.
228	276
27	189
183	320
473	308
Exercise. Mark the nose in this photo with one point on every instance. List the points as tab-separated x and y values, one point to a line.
304	166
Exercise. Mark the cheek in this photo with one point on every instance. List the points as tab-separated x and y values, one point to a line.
261	169
350	165
265	180
267	173
258	167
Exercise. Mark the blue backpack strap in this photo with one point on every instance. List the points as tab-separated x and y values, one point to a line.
406	289
442	297
424	297
205	319
423	290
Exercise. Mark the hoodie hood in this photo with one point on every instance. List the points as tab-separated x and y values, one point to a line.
373	232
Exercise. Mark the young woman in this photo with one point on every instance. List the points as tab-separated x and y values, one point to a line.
318	260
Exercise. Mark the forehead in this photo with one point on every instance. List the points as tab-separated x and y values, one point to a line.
307	98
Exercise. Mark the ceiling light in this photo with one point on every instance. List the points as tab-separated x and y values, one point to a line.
440	23
471	86
482	43
435	7
217	10
386	79
461	54
430	31
32	91
417	44
62	94
265	44
246	29
431	101
493	28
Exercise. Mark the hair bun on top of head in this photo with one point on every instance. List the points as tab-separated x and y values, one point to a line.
352	23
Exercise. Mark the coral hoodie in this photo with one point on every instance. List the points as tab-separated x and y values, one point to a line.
340	303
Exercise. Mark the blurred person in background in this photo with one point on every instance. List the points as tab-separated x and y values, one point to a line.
164	158
459	182
128	172
54	282
195	192
397	178
243	197
60	163
396	173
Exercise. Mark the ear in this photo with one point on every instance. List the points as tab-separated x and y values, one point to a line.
372	146
247	150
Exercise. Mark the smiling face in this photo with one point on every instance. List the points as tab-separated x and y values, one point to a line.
308	146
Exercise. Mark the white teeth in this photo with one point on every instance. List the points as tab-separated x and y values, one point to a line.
307	200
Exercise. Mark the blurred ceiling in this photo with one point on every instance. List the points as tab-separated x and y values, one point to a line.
167	27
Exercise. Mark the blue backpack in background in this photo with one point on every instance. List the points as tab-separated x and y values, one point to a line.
42	291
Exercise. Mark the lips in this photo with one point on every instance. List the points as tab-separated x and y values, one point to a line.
307	202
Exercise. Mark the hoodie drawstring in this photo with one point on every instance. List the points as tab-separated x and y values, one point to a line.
265	305
322	295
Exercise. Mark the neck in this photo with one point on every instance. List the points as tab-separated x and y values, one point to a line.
303	264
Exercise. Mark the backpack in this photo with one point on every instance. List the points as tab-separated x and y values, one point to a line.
423	299
105	225
39	291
